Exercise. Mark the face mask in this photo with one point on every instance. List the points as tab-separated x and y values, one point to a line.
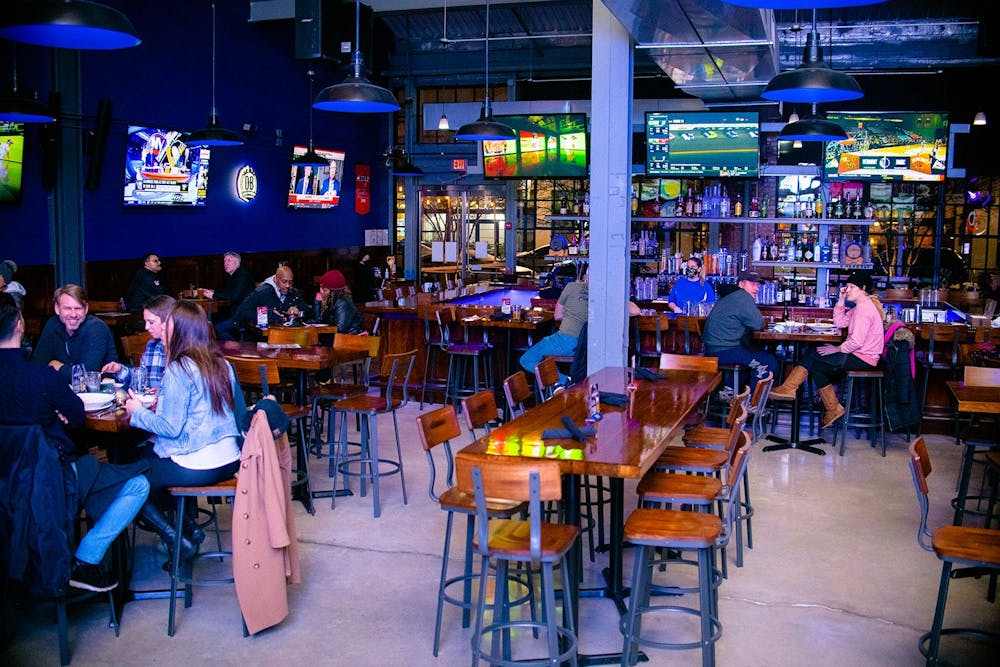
690	272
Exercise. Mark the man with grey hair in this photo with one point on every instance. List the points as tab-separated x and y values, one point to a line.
236	286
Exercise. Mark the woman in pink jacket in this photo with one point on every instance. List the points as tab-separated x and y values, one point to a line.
859	352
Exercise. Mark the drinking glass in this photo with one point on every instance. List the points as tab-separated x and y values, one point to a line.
92	381
140	381
77	382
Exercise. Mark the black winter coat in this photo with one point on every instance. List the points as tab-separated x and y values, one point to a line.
902	407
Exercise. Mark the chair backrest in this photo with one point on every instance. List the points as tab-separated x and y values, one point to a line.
445	319
920	468
480	411
736	425
650	326
94	306
933	334
981	376
395	371
257	373
439	427
134	345
758	402
535	481
734	483
304	336
516	391
688	362
546	377
359	343
735	402
691	326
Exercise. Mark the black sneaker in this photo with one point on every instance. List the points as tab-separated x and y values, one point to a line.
90	577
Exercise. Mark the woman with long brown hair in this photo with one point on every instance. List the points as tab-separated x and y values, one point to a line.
194	420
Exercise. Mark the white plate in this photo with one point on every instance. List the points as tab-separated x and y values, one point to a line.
820	326
94	401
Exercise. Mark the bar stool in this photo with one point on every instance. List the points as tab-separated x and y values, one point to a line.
517	392
937	355
460	353
854	414
649	333
432	342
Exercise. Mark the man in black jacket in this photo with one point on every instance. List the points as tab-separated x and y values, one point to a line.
236	286
283	302
145	284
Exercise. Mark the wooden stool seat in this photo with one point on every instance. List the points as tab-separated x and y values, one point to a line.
671	487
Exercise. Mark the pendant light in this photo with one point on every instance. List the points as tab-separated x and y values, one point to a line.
310	158
214	134
813	81
812	128
980	118
406	167
485	128
801	4
16	107
68	24
443	123
356	94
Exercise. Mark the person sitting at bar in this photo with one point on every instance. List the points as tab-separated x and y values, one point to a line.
73	336
338	306
154	359
236	286
283	302
145	284
571	313
110	494
690	289
857	311
194	423
729	327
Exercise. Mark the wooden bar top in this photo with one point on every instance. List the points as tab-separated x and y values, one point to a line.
974	398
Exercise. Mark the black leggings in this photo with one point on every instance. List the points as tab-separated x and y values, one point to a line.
824	370
164	473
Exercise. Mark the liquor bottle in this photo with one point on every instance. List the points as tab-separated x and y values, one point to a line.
764	207
869	211
754	208
725	206
689	205
757	248
579	206
641	246
634	244
563	205
857	208
838	211
818	206
738	206
774	249
790	250
679	207
800	252
586	204
835	251
824	251
698	206
807	250
817	249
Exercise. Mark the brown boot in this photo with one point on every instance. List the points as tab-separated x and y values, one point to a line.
834	410
787	390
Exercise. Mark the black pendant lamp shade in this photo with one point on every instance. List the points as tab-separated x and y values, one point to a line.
67	24
405	167
356	94
812	129
16	107
813	81
485	128
214	134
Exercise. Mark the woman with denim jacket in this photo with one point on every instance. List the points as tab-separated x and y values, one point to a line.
194	424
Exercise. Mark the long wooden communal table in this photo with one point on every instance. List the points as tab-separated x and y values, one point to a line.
971	399
629	439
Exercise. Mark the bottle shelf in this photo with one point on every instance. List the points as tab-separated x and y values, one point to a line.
567	217
841	222
815	265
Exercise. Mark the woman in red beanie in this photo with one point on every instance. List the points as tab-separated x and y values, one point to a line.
338	306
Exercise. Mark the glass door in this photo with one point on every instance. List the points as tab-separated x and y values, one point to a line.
461	233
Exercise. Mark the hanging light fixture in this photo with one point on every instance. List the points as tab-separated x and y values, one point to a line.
802	4
310	158
356	94
980	118
214	134
812	128
68	24
16	107
405	166
813	81
443	123
485	128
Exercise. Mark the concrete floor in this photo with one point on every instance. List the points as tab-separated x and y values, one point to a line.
836	577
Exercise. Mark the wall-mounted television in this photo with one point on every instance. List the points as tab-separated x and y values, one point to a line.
316	187
702	143
11	159
888	146
547	146
162	170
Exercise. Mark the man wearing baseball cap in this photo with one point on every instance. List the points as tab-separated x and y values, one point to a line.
728	329
859	352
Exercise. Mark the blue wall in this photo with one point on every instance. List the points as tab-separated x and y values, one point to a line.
166	81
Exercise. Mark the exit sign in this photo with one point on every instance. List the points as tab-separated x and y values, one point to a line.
458	164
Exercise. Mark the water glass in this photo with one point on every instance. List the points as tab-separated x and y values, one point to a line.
140	381
77	383
92	381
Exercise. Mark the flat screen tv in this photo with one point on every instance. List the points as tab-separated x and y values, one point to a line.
316	187
888	146
702	143
162	170
11	158
547	146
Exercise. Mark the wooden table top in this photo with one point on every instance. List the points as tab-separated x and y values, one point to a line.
975	398
805	335
312	358
108	422
629	439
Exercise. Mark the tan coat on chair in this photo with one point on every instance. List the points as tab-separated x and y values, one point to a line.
265	551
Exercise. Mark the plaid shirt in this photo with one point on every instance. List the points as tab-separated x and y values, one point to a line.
153	360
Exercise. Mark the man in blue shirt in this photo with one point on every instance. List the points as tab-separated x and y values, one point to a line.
73	336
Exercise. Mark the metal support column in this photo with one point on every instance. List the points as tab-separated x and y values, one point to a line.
66	217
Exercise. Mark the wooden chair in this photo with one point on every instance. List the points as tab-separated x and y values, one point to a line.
529	541
461	351
133	346
437	429
480	412
302	336
517	392
954	545
690	326
688	362
546	378
371	467
649	334
717	437
937	350
703	460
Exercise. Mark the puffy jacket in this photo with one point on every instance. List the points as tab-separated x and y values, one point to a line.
902	408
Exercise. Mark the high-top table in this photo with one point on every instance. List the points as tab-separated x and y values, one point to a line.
970	399
628	442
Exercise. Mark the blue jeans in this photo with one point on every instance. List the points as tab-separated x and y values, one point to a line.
557	343
759	361
115	519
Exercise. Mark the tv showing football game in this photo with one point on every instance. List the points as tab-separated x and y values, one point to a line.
11	158
702	143
888	146
547	146
162	170
316	187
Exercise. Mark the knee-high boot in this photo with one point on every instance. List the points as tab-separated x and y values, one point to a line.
834	410
154	518
787	390
192	531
